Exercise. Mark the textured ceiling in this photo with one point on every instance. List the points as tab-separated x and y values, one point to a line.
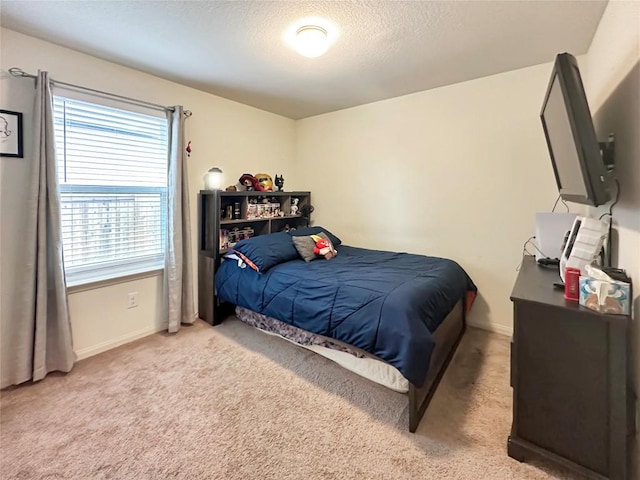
382	49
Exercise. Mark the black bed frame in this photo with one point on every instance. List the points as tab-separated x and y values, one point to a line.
447	337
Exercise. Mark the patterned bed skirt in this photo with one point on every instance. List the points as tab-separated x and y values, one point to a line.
347	356
295	334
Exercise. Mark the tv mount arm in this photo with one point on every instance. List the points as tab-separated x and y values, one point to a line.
608	151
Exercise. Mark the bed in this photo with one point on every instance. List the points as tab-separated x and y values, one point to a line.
398	315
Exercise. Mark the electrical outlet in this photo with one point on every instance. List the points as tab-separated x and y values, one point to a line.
132	300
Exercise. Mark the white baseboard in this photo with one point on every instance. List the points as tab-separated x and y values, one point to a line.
492	327
130	337
116	342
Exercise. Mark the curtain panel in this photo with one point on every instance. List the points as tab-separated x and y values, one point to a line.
178	272
36	337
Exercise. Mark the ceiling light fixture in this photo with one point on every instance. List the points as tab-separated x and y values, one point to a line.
311	41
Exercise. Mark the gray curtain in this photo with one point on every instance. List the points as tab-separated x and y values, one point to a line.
36	339
178	276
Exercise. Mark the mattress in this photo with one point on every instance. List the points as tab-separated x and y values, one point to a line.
348	357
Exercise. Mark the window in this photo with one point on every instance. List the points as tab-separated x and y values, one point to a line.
112	170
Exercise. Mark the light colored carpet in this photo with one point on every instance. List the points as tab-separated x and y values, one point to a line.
233	403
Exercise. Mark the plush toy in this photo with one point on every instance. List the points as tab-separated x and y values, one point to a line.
306	210
323	247
249	182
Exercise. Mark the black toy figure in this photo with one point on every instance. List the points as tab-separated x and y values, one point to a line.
306	210
279	181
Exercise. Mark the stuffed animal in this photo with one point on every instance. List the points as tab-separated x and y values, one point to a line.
306	210
249	182
323	247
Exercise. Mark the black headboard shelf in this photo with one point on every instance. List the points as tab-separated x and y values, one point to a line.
227	217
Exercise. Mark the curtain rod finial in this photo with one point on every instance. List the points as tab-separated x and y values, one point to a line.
16	72
19	73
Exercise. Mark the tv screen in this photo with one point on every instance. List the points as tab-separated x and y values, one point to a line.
579	169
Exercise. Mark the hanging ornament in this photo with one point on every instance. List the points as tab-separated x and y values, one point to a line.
188	149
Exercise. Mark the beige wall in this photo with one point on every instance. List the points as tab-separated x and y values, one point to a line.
227	134
457	171
613	90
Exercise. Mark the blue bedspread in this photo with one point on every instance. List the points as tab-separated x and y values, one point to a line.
383	302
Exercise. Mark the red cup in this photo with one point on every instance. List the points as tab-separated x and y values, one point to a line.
572	284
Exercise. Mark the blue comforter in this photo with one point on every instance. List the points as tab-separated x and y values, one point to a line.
383	302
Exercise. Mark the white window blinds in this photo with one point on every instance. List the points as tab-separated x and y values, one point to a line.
112	169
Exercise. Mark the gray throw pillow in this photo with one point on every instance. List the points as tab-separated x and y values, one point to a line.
304	246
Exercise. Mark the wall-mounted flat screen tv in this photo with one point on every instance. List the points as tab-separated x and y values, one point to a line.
580	170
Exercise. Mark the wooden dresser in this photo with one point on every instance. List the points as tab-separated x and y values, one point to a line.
570	373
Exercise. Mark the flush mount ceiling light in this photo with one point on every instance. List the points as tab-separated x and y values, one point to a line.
311	41
310	36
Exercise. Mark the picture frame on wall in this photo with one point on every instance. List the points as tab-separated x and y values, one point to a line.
10	134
